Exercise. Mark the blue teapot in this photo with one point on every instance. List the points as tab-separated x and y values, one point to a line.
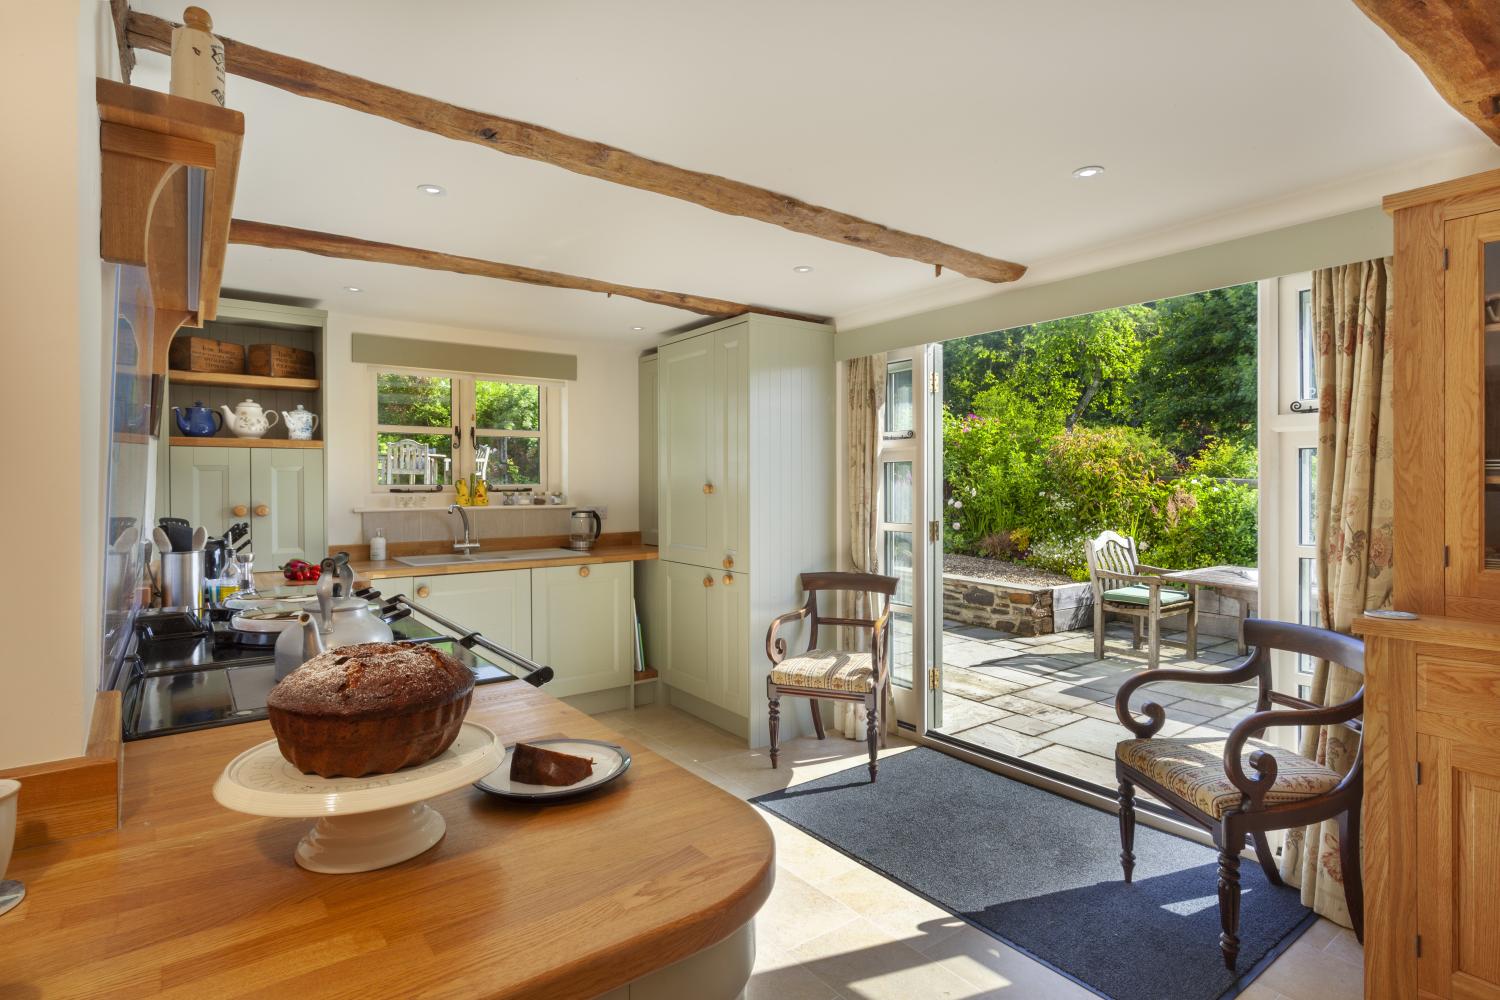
197	420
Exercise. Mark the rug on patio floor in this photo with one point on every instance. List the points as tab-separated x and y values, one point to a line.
1042	873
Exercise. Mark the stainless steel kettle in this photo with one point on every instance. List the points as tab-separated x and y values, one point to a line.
586	524
342	620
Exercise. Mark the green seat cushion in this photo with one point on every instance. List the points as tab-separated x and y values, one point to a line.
1141	594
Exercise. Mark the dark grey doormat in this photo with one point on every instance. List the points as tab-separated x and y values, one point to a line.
1042	873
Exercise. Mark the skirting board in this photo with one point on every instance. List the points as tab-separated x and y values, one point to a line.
69	798
723	718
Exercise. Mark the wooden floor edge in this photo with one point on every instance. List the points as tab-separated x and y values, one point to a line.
74	796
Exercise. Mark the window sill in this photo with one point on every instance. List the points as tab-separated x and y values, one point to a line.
440	508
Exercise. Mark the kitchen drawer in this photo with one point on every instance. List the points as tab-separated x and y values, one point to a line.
1458	694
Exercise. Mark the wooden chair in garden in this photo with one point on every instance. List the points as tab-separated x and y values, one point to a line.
1124	585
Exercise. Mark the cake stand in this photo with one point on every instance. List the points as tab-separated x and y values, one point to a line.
363	823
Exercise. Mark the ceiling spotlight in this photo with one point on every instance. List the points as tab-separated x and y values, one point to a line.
353	288
431	189
638	329
1093	170
803	268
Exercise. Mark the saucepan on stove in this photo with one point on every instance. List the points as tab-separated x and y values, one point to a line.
340	621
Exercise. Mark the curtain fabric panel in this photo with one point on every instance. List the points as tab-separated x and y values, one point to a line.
865	405
1351	316
403	352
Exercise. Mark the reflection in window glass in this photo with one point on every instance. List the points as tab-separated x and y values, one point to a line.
898	415
1308	348
898	564
509	461
1307	606
1307	495
897	493
507	406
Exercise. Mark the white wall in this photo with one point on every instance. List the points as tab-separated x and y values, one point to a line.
600	425
53	338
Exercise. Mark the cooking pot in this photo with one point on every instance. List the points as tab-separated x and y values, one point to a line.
342	620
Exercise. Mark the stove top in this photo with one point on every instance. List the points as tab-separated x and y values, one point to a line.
186	674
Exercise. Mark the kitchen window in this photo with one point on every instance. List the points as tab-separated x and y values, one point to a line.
434	428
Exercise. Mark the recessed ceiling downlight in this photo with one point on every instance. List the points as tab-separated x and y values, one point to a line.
638	329
1092	170
432	189
353	288
803	268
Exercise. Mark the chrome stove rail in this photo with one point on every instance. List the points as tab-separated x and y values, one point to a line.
537	674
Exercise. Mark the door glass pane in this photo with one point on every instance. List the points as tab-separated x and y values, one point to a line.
509	461
901	632
433	469
897	492
507	406
413	400
1307	605
1307	495
898	416
898	563
1307	346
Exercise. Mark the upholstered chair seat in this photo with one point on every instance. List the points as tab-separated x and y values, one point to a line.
827	670
1194	769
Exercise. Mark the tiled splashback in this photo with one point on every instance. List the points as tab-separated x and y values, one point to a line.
438	525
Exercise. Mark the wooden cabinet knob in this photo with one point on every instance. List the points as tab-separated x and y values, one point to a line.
728	579
708	488
583	571
424	590
729	562
708	581
239	510
261	510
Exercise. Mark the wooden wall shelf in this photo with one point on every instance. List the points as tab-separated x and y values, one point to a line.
241	381
234	442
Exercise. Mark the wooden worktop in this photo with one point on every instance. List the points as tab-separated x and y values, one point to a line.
568	900
367	569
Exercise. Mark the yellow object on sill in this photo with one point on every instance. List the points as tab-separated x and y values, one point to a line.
461	493
481	493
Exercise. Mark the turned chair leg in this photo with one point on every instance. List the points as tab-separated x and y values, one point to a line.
1349	861
775	715
1229	902
872	733
817	714
1127	828
1267	859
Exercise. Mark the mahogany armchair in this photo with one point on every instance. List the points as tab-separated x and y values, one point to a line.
1209	780
834	674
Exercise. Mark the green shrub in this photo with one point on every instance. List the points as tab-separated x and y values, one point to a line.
990	461
1093	479
1209	522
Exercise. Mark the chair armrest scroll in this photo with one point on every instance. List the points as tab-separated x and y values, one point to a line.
775	647
1157	715
1263	763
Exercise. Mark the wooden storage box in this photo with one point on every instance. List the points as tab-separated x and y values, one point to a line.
200	354
279	361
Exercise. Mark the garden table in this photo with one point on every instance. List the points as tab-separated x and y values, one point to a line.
1242	583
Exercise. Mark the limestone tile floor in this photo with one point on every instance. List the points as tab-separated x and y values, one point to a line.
835	930
1047	700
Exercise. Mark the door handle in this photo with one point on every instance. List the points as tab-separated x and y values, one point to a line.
729	562
239	510
424	590
583	571
728	579
708	581
261	510
708	489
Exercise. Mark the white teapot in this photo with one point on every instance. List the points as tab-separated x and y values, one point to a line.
248	420
299	423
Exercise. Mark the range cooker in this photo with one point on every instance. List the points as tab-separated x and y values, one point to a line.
184	673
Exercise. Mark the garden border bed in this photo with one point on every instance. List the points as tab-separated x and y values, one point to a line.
1017	608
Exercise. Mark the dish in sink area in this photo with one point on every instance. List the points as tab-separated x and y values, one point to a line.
610	761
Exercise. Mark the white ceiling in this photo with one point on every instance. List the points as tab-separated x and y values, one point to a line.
957	120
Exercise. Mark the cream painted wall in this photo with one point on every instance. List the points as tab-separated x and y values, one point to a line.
50	288
600	422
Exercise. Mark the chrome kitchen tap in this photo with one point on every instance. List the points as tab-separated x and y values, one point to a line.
467	545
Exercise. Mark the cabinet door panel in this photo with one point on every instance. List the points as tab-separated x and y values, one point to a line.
730	506
649	485
288	484
686	452
729	624
206	484
582	626
1458	859
497	604
691	663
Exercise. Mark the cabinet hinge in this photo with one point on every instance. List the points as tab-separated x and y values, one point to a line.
1419	772
1419	946
934	531
1445	258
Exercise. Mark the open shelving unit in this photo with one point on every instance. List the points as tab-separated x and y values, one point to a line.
232	380
225	441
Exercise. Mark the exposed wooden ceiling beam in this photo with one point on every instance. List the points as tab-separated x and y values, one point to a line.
593	159
264	234
1457	44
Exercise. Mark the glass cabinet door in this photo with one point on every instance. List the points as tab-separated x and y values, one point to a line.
1472	411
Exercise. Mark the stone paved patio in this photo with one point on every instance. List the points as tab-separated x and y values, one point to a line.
1046	700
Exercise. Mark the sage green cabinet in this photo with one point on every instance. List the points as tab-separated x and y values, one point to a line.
703	615
582	627
648	498
495	604
278	491
687	461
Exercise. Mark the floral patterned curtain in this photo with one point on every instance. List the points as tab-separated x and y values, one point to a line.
865	402
1351	314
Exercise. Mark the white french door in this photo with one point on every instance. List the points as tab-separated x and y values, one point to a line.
911	538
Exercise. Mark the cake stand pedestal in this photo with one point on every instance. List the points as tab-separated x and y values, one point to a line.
363	823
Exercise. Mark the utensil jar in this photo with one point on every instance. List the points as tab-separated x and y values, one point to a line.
182	580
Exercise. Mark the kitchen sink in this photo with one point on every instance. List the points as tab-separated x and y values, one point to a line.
506	555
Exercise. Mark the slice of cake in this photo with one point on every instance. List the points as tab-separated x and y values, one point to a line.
540	766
